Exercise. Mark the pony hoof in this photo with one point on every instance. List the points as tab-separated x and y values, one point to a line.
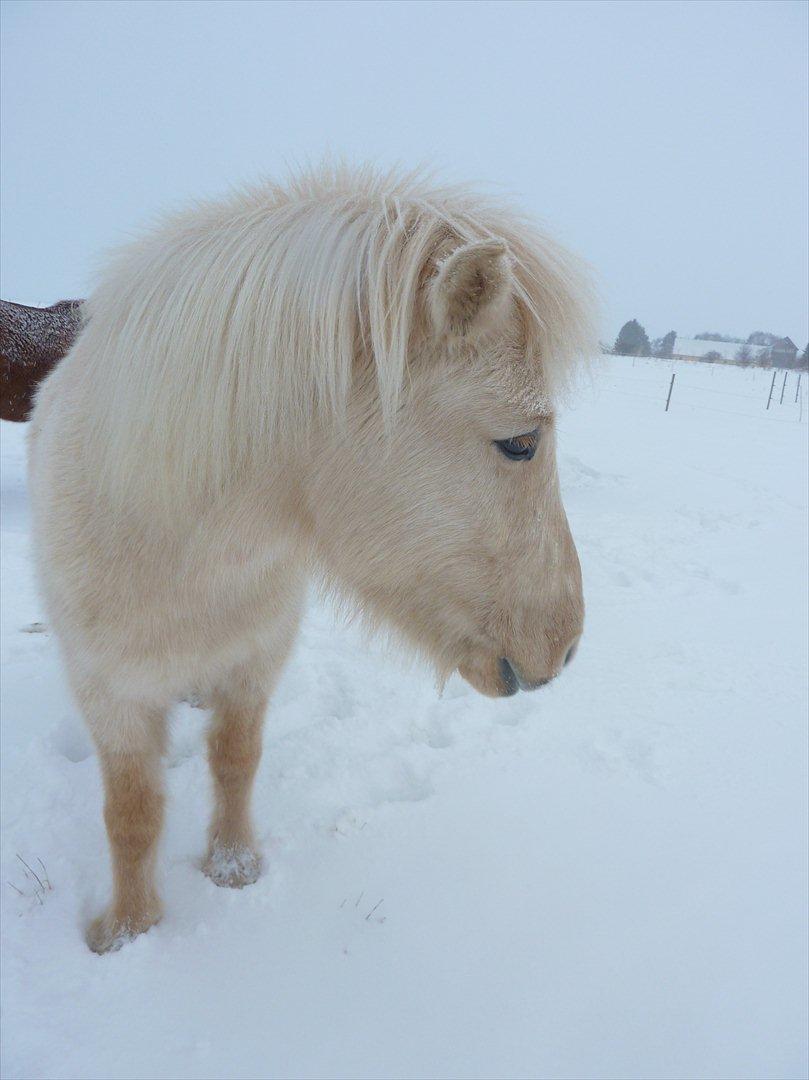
232	867
107	934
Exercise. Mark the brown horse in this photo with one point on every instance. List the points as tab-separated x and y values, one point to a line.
32	341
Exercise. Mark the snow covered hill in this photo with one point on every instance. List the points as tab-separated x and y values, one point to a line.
606	878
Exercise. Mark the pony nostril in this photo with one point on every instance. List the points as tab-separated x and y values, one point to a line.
511	681
571	652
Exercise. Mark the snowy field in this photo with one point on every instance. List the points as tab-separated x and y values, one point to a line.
606	878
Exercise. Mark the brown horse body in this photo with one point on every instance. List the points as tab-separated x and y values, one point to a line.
32	341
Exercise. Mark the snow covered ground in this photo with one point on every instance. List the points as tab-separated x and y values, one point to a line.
606	878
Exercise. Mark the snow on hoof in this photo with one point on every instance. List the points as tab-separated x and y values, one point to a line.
196	701
107	934
232	867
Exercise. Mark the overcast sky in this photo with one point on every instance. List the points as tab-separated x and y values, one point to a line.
666	142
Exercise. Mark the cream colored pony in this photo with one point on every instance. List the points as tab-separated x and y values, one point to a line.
350	377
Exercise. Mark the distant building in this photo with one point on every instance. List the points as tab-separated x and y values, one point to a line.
783	353
695	349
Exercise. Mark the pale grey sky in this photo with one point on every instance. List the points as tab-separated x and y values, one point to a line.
665	141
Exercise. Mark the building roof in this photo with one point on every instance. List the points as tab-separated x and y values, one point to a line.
727	349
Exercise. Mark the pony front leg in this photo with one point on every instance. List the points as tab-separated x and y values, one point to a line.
234	743
234	751
130	740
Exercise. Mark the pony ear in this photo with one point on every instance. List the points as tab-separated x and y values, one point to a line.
471	287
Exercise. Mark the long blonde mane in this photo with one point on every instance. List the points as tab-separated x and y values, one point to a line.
230	324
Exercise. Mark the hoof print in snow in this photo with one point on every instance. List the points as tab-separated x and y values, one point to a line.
71	742
34	628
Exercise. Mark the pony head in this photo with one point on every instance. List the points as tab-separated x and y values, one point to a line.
435	501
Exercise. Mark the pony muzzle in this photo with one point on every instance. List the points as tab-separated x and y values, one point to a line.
513	680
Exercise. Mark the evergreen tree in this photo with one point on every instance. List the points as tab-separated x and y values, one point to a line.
665	346
632	340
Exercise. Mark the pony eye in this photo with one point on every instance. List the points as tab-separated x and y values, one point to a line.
520	447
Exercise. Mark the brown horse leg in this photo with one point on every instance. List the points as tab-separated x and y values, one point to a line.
130	747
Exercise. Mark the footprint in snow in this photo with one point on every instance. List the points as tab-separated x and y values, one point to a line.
437	736
71	741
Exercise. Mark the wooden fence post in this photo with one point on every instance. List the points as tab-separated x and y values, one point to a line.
671	387
772	387
798	387
783	388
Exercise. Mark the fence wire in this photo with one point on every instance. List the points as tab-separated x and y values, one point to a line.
765	414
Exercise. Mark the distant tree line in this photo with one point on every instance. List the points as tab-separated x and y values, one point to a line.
709	335
761	347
